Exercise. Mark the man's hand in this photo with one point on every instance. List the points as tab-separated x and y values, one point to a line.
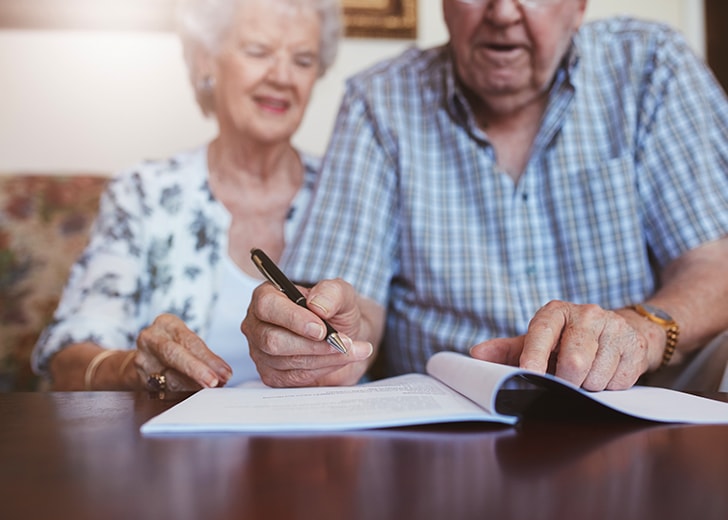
167	346
586	345
287	342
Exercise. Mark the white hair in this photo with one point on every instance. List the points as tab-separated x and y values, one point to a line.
203	25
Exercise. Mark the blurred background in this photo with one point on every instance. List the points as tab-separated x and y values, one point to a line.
98	101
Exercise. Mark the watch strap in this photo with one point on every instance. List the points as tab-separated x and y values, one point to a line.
672	330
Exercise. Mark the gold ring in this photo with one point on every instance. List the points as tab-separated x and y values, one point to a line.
157	382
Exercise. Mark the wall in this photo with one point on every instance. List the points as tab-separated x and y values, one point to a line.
716	48
94	101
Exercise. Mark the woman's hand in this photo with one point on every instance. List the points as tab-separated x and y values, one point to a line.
168	347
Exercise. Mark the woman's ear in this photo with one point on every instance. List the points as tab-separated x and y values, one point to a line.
202	77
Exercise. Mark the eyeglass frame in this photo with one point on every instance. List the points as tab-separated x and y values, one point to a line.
530	4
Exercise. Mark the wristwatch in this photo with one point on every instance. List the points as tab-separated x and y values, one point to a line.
672	329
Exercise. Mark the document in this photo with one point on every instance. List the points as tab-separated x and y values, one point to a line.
456	388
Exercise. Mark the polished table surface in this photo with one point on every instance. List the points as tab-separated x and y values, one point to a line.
81	456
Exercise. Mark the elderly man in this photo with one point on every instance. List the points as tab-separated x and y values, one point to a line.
551	195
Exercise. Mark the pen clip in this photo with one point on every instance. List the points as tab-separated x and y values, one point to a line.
279	280
261	267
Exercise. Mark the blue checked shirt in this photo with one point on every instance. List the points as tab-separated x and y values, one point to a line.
628	172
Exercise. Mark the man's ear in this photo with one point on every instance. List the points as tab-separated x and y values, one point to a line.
581	11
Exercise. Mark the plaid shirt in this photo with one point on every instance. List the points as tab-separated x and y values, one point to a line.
628	172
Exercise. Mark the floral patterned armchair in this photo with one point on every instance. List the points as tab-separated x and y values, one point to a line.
44	225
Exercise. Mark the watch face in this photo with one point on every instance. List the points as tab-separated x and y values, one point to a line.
657	312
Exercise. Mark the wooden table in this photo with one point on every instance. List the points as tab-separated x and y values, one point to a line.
81	456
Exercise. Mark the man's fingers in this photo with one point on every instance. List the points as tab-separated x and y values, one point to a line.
279	341
336	301
595	348
321	376
581	339
316	370
633	361
271	307
277	326
287	341
604	367
302	360
543	336
506	351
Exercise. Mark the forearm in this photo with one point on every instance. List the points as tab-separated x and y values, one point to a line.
694	291
70	369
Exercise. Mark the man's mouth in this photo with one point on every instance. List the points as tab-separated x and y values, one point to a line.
499	47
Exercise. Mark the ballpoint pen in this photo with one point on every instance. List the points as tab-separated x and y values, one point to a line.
281	282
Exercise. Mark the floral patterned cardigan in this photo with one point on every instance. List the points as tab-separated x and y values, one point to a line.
155	248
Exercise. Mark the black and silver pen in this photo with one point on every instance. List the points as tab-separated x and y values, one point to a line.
275	276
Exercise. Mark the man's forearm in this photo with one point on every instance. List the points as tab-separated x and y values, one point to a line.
694	290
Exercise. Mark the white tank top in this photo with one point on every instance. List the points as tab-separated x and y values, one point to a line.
224	337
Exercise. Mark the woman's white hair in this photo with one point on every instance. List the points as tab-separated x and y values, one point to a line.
203	24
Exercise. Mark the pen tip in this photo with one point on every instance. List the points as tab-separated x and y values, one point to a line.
335	341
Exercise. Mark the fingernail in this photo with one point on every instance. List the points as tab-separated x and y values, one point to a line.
362	353
371	350
210	381
321	303
315	331
223	370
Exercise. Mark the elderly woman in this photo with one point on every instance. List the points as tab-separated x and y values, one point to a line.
157	298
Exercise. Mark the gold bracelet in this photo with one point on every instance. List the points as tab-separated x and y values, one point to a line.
126	362
93	365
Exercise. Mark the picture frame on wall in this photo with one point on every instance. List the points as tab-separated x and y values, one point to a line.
362	18
380	18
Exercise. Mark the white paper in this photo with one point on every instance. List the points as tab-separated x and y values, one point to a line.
406	400
664	405
641	402
399	401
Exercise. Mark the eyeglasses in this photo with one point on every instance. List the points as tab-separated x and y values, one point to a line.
529	4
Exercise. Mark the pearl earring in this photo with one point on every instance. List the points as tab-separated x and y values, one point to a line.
206	83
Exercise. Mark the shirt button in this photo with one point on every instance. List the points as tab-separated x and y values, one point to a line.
531	270
525	197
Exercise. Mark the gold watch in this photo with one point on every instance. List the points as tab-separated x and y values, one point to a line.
672	329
